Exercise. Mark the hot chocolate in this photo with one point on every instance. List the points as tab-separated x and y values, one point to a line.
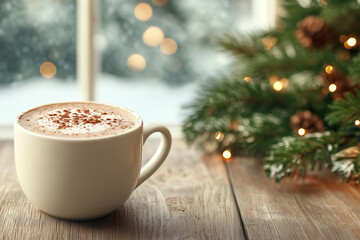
79	120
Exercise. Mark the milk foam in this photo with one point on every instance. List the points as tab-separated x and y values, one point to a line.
79	120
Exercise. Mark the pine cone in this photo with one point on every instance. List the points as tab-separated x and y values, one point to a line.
307	120
313	32
340	80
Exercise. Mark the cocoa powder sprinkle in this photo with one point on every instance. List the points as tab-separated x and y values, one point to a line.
84	119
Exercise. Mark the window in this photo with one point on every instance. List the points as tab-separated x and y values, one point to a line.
155	53
150	56
37	54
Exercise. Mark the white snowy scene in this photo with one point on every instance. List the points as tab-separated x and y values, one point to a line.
167	78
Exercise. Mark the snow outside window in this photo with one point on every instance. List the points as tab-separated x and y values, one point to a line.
151	55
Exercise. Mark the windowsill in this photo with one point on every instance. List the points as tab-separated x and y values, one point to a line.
7	132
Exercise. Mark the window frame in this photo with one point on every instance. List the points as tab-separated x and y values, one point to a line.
87	64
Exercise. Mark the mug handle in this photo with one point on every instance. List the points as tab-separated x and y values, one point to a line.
161	153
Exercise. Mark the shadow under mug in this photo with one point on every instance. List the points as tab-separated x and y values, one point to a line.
84	178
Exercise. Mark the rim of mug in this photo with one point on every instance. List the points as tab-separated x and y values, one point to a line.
17	123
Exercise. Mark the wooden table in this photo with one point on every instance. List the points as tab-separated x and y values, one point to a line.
197	197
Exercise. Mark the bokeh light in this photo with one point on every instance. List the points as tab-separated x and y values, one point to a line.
268	42
48	70
219	136
159	3
332	87
301	132
329	69
357	122
351	42
343	38
285	82
168	46
143	12
247	79
153	36
136	62
227	154
277	86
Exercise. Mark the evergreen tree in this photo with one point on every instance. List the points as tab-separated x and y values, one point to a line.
292	93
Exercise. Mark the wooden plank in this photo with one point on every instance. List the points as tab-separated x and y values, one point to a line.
188	198
317	207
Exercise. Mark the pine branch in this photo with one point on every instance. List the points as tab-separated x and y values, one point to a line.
346	164
220	103
240	44
296	155
264	131
354	70
345	111
285	61
342	15
232	113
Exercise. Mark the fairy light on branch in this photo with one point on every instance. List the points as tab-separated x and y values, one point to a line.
350	43
301	131
329	69
332	87
226	154
269	42
247	79
357	122
219	135
278	84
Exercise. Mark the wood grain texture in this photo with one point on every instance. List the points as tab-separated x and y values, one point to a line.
317	207
188	198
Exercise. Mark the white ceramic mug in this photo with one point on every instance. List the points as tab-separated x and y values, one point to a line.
84	178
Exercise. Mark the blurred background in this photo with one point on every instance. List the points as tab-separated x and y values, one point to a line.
151	55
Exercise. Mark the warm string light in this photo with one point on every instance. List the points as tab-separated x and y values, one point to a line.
332	87
279	84
247	79
219	136
301	131
269	42
329	69
357	122
350	43
226	154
